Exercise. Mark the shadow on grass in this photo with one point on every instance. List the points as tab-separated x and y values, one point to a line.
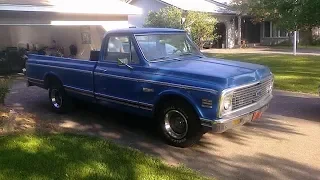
140	133
78	157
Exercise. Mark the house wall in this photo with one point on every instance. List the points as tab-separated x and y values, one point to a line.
46	18
316	33
146	6
63	35
5	38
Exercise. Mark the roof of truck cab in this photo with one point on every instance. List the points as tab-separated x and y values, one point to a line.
145	30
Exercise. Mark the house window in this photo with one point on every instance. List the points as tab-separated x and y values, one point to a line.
266	29
283	33
277	32
271	30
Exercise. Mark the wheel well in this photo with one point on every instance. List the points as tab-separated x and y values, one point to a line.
172	97
50	79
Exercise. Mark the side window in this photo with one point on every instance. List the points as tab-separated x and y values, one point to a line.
120	47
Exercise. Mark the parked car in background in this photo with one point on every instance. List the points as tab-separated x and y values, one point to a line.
209	44
159	73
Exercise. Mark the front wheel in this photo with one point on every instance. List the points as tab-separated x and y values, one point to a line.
60	102
179	124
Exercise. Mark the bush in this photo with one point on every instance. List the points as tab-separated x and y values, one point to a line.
4	89
200	25
316	42
4	64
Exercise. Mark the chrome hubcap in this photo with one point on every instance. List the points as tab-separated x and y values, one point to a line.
175	123
56	98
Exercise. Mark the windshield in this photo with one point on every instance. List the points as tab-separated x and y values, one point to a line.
157	47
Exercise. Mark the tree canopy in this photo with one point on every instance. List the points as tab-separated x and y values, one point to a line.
200	25
290	14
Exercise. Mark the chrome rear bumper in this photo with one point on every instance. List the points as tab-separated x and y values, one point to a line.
238	118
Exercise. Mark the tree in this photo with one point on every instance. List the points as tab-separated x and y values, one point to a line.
169	17
288	14
200	25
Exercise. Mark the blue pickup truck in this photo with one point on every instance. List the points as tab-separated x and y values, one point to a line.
158	73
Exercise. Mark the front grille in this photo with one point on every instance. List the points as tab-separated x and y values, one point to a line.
251	94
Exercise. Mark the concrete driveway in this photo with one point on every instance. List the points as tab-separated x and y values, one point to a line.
283	145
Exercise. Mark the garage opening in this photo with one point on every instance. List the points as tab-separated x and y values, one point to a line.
61	41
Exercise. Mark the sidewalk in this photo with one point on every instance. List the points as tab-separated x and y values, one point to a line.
265	50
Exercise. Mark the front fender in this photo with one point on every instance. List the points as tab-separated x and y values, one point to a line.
185	95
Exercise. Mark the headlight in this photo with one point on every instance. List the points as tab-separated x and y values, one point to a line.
225	103
270	87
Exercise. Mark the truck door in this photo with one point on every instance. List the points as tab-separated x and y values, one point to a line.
117	73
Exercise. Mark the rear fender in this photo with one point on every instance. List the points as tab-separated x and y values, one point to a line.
50	74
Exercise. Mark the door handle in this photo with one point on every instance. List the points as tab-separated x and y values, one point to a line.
105	70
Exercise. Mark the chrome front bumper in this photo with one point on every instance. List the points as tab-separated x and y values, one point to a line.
237	118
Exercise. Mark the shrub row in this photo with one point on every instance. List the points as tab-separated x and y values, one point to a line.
4	89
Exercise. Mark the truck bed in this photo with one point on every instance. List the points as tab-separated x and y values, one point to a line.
74	73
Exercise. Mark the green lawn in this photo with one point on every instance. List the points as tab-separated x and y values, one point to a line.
79	157
292	73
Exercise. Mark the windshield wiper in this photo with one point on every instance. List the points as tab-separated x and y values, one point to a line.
160	58
186	53
189	53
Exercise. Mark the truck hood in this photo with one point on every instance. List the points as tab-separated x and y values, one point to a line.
222	73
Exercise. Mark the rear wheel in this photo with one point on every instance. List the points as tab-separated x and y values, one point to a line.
179	124
60	102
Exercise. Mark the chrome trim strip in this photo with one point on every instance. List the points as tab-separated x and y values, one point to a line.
65	68
124	100
160	83
123	103
139	47
115	76
34	79
79	91
246	85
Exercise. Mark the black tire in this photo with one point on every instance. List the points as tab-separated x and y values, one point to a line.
187	119
59	100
